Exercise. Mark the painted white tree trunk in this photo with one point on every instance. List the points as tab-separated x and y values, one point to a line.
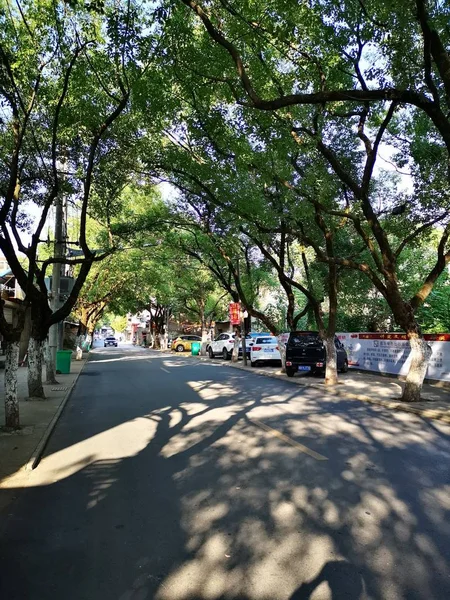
331	376
11	399
88	342
282	351
35	387
50	367
235	354
420	356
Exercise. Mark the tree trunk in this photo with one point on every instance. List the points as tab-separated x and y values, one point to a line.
235	354
35	388
157	341
311	320
11	399
420	355
282	350
88	341
50	367
203	322
331	376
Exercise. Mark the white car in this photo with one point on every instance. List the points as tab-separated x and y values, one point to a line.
224	343
221	346
264	349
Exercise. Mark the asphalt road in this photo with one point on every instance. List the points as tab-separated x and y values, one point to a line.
168	478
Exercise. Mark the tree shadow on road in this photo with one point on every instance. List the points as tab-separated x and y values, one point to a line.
343	579
205	505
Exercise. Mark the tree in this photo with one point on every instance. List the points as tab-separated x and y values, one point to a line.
249	191
66	76
119	323
197	295
347	96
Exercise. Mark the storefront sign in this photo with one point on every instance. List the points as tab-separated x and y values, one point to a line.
235	313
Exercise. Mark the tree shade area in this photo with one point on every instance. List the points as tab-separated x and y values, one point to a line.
291	156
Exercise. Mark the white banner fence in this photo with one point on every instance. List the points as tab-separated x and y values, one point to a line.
390	353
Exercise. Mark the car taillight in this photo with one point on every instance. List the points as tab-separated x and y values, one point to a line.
256	348
319	364
231	341
288	363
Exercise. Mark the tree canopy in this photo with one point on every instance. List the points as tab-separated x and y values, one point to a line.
305	146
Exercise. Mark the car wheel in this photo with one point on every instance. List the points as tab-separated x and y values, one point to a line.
345	367
180	348
225	354
253	363
290	372
210	352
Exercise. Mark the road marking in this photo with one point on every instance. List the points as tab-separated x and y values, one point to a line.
163	369
288	440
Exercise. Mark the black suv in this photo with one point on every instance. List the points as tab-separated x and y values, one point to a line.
305	352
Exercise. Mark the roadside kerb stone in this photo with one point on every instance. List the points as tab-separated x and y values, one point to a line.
39	450
23	449
428	413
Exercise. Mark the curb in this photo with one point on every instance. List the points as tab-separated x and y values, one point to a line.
428	413
36	456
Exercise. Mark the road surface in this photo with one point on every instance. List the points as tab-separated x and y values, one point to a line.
169	478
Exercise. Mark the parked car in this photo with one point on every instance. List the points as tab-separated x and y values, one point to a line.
223	346
256	334
110	341
305	352
265	349
183	343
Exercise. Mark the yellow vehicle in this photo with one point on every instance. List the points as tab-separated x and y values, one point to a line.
183	342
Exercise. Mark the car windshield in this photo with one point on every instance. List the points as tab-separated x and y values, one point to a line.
110	338
305	339
266	340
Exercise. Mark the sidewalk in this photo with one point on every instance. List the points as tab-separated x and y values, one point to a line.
17	448
366	387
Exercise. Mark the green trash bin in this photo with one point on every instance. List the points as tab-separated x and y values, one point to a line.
195	348
63	358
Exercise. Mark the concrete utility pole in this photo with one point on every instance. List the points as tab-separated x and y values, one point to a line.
242	321
244	347
55	341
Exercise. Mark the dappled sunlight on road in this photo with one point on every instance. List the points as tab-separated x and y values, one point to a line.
394	390
117	443
119	359
211	390
179	362
263	492
272	511
437	505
